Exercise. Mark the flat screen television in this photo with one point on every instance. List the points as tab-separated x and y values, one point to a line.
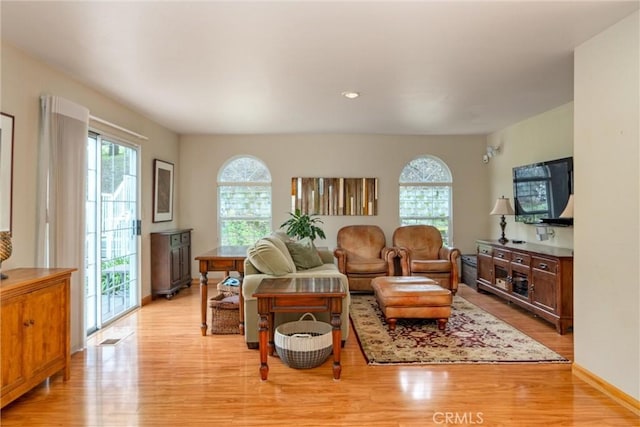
541	191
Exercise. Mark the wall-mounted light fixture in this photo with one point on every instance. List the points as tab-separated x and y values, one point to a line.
491	152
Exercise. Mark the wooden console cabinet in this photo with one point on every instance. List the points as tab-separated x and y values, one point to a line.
35	335
536	277
170	261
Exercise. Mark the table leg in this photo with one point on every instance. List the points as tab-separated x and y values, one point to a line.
241	311
203	302
336	333
272	332
263	332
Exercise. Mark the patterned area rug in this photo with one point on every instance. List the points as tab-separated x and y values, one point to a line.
472	336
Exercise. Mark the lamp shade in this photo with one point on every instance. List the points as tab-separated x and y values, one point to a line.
502	207
568	210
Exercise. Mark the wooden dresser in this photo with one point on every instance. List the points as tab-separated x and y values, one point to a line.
35	335
538	278
170	261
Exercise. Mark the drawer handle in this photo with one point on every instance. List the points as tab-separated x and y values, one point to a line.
500	255
484	251
543	266
519	260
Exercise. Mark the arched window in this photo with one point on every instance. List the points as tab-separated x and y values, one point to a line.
425	194
244	201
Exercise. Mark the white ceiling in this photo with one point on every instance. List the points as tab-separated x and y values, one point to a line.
422	67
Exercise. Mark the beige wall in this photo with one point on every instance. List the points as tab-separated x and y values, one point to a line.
546	136
607	229
287	156
24	80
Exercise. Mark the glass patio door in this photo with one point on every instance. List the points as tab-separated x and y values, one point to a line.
112	235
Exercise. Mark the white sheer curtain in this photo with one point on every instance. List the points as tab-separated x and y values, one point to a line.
62	166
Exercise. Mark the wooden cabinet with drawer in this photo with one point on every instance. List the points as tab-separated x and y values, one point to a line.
536	277
170	261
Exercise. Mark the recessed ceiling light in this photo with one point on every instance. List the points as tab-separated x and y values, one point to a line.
350	95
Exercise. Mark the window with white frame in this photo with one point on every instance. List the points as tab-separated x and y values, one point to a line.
425	194
244	201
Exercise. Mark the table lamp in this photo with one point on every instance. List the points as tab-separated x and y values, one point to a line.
502	207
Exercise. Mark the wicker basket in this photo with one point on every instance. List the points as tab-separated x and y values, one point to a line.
230	286
225	314
304	344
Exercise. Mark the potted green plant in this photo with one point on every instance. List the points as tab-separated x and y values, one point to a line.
301	225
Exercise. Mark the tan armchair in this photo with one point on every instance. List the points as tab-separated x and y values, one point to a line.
362	254
422	253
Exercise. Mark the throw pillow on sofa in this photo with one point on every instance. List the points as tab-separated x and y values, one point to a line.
304	253
280	244
268	259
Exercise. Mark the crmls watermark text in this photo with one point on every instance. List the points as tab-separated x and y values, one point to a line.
465	418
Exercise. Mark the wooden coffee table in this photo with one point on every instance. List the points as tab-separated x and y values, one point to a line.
298	295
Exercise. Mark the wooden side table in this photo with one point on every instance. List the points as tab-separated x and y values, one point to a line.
224	258
298	295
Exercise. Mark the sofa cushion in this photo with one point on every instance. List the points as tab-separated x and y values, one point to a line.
304	253
432	266
268	259
361	265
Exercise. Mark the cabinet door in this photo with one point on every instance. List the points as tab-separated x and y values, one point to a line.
520	280
545	285
501	274
520	275
185	264
176	260
485	265
45	344
12	340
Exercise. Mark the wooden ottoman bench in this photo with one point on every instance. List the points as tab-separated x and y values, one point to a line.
404	297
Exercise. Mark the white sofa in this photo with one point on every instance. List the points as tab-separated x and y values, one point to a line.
270	257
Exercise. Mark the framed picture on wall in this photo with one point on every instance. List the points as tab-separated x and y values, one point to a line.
162	191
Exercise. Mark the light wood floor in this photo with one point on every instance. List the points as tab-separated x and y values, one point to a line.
164	373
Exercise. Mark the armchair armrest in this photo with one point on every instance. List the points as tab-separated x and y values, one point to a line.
455	276
405	260
445	252
341	256
389	254
453	255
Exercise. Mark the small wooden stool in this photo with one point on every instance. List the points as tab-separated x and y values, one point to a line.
412	297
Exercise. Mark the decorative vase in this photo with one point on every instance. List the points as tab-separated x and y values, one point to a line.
5	249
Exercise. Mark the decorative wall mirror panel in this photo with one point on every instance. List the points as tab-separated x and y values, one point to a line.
6	170
335	196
